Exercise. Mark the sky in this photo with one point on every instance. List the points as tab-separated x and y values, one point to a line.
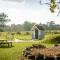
28	10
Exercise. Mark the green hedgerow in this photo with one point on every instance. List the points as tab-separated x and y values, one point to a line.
52	39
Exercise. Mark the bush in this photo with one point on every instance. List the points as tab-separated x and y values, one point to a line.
52	39
19	33
27	33
10	37
12	33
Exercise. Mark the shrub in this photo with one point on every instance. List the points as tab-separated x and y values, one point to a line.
12	33
52	39
19	33
10	37
27	33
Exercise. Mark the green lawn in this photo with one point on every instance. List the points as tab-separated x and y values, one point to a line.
15	52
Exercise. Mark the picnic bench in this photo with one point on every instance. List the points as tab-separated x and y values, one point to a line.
5	42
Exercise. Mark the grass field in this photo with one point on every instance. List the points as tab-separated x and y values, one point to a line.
16	35
15	52
22	35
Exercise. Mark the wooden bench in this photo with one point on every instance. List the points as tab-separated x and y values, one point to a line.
3	42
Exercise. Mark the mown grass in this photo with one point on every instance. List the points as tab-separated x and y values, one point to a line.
15	52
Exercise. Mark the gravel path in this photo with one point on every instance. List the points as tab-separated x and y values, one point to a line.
17	40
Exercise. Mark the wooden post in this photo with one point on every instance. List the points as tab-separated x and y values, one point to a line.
49	58
55	57
8	44
58	57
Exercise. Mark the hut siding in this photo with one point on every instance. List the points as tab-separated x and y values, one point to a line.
33	34
40	34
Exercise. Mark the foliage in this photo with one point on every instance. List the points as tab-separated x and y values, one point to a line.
52	6
27	26
52	39
10	37
47	32
27	33
14	35
3	20
19	33
23	37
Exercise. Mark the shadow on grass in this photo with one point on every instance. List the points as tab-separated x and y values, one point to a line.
6	46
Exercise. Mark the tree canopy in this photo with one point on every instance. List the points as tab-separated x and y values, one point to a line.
52	4
3	20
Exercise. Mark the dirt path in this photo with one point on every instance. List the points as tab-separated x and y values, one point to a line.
17	40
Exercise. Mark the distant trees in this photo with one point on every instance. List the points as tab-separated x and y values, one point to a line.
3	20
51	25
26	26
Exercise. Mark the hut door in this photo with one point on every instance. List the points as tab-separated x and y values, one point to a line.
36	34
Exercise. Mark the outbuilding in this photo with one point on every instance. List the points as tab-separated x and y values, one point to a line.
37	32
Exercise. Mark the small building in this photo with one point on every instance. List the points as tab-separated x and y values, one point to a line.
37	31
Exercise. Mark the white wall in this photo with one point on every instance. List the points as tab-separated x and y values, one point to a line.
33	34
40	34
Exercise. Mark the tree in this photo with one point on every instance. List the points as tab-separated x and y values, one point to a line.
27	26
51	25
53	4
3	20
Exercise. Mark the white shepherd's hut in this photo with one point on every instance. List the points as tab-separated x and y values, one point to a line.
37	31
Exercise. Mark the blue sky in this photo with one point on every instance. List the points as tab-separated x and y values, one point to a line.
30	10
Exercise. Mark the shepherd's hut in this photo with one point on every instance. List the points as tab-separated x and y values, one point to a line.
37	31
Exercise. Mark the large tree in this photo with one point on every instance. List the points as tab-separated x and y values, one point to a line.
3	20
27	26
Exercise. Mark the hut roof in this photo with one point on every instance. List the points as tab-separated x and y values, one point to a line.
39	27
